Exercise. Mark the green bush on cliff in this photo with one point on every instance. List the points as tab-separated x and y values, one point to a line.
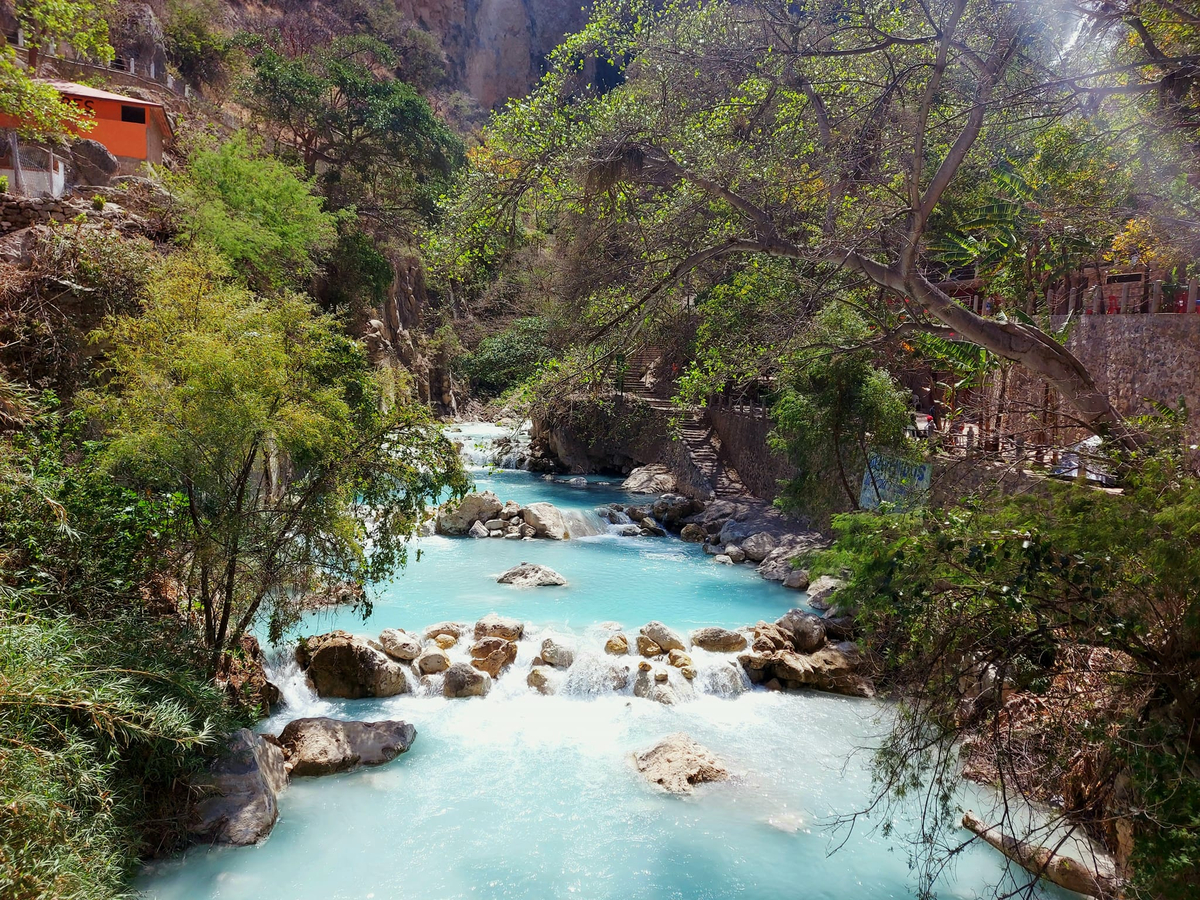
504	360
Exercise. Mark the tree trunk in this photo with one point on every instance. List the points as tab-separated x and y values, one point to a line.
1047	863
14	148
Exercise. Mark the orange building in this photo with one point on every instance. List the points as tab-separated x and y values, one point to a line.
134	131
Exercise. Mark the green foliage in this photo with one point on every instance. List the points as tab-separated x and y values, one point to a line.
104	711
258	212
1087	602
37	107
80	24
356	274
279	435
374	136
504	360
194	46
835	407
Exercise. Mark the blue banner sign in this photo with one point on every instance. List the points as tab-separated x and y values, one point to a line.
901	484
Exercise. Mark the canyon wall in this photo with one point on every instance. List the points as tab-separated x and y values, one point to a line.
496	48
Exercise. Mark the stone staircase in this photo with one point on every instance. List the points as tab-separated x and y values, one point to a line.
700	439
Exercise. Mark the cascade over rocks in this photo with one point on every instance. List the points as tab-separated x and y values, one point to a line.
678	763
556	655
340	665
539	679
531	575
718	640
323	746
241	788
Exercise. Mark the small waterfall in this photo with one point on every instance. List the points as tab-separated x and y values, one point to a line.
299	699
596	675
584	522
486	446
723	679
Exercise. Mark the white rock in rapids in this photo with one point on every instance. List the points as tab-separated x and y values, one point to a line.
531	575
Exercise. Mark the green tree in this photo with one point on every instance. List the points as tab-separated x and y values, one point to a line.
372	138
257	211
80	24
273	429
836	407
504	360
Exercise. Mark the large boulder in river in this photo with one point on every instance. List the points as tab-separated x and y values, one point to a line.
718	640
492	654
322	746
693	533
432	661
531	575
556	655
340	665
399	644
241	790
796	580
758	546
768	638
453	629
493	625
456	517
665	637
677	764
546	521
806	630
463	680
652	479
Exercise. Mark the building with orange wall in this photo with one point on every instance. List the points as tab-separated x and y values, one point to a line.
134	131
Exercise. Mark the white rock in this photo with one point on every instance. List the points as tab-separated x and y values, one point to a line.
546	521
652	479
677	764
531	575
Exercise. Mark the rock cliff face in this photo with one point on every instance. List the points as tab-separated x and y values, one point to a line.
496	48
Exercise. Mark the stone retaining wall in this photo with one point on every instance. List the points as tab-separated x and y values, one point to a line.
22	212
1142	356
744	446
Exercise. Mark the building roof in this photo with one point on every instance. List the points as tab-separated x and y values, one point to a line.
71	89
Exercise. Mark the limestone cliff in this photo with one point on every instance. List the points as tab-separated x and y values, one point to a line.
496	48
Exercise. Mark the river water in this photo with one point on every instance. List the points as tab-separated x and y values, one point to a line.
519	795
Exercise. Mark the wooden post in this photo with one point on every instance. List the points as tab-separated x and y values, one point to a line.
14	147
1031	303
1098	300
1123	308
1156	296
1072	299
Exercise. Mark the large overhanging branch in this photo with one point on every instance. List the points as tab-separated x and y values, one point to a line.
1023	344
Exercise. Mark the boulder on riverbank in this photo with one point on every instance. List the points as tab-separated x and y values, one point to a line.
833	668
341	665
531	575
821	592
241	789
678	763
323	746
806	630
652	479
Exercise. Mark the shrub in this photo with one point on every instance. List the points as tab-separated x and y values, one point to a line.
504	360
